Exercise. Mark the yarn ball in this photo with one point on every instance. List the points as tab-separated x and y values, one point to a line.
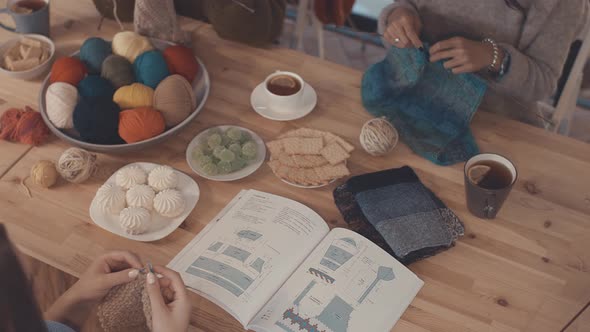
93	52
44	174
139	124
180	60
95	86
118	70
76	165
130	45
61	99
378	136
97	120
67	69
150	68
174	97
133	96
24	126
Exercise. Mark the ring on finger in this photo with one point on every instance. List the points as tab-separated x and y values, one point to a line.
396	40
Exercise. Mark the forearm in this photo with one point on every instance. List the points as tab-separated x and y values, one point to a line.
69	309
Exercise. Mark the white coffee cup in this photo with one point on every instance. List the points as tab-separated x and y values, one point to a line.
284	104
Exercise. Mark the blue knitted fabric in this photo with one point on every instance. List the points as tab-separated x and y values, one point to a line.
430	107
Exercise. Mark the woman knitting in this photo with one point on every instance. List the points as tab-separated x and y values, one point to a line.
19	311
519	46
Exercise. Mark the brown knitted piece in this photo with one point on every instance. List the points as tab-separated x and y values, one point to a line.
126	308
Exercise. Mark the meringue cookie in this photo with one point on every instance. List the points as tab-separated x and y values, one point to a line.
130	176
135	220
169	203
141	196
110	198
163	177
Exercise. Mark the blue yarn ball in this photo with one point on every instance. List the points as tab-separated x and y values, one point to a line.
97	120
95	86
93	52
150	68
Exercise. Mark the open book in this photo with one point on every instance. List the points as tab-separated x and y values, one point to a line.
274	265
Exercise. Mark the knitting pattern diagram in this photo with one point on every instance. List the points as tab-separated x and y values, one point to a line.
342	279
236	263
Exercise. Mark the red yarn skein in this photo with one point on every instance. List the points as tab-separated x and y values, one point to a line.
69	70
181	60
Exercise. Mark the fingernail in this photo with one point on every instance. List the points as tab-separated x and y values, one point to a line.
159	276
133	274
151	278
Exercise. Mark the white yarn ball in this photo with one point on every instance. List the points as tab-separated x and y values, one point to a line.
61	99
378	136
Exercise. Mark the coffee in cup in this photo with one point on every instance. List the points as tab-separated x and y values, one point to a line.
488	181
284	91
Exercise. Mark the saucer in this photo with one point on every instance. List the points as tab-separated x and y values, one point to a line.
306	104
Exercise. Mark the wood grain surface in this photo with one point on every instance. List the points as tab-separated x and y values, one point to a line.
528	270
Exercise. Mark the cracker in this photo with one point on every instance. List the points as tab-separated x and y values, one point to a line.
327	136
305	146
301	161
331	172
334	153
275	147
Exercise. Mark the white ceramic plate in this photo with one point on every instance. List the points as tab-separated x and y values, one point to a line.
160	226
252	166
258	100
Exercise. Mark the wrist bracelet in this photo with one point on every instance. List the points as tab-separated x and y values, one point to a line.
496	55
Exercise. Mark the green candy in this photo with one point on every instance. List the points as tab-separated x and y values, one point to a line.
217	151
234	134
235	148
224	167
210	169
238	164
249	150
214	141
227	155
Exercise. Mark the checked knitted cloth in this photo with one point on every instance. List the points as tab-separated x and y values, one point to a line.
429	106
393	209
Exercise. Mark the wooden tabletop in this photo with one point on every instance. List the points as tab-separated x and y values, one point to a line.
528	270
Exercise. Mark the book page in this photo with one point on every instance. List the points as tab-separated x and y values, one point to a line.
347	284
249	251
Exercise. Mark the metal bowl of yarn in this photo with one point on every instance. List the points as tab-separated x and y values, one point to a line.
201	87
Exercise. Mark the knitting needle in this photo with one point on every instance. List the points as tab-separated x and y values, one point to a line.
382	36
252	11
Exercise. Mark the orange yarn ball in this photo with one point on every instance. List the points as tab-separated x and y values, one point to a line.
181	60
67	69
141	123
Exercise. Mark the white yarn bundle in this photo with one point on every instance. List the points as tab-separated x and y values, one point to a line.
76	165
378	136
61	99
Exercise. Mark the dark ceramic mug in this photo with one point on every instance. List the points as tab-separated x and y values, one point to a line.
484	202
36	22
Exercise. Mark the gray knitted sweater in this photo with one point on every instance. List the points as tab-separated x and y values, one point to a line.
537	39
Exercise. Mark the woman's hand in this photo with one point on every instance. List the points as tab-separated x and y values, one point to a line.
463	55
172	313
403	29
107	271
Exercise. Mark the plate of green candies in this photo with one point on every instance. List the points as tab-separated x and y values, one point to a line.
225	153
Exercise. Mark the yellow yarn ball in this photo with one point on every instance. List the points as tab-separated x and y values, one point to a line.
130	45
44	174
134	96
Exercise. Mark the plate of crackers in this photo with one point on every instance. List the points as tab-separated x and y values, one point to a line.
309	158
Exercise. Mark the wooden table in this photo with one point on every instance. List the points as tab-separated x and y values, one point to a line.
528	270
